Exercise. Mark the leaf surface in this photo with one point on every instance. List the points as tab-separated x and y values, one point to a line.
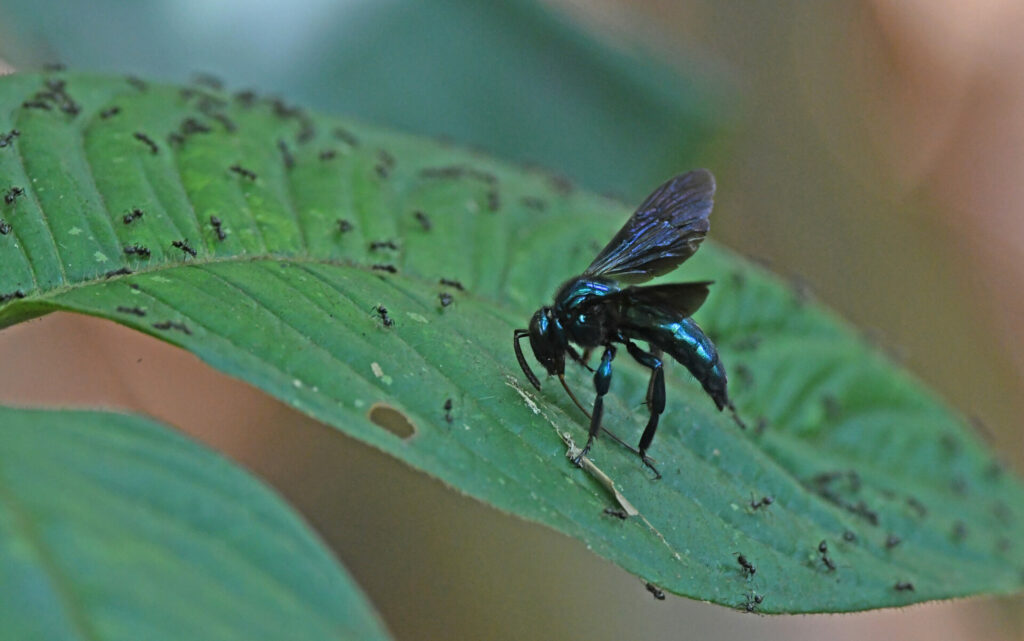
115	527
338	219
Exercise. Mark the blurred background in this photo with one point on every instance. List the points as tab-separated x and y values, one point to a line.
873	150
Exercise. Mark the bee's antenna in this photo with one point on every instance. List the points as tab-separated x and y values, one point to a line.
568	391
519	334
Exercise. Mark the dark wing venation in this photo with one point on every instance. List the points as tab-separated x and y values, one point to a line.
663	232
660	303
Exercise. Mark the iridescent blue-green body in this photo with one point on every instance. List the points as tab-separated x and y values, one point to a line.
587	316
686	342
594	310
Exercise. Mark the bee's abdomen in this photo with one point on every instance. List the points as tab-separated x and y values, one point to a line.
684	341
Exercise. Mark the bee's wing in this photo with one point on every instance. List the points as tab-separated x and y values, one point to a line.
657	303
663	232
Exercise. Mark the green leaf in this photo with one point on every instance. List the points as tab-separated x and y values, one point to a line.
854	452
114	527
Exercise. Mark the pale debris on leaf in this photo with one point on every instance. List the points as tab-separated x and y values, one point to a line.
574	451
597	473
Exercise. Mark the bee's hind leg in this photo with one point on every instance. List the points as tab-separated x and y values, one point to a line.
604	429
655	400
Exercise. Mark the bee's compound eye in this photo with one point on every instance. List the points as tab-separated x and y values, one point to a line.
539	323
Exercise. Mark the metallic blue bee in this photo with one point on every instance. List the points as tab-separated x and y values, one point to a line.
593	310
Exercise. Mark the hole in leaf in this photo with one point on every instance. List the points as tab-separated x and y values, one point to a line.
391	419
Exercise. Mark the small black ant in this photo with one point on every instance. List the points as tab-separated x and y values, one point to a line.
655	591
13	194
228	124
861	509
110	112
452	283
138	83
190	126
448	410
243	172
137	311
385	163
216	223
904	586
825	558
247	97
7	138
423	220
344	226
139	250
383	267
456	171
124	271
445	298
617	512
181	327
382	244
917	506
764	501
209	104
282	109
146	140
752	601
132	216
67	104
345	136
184	246
307	131
5	227
5	298
748	568
383	312
327	154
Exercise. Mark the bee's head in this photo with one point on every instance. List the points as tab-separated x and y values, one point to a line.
547	341
548	344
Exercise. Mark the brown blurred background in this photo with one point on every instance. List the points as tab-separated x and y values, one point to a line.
877	153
